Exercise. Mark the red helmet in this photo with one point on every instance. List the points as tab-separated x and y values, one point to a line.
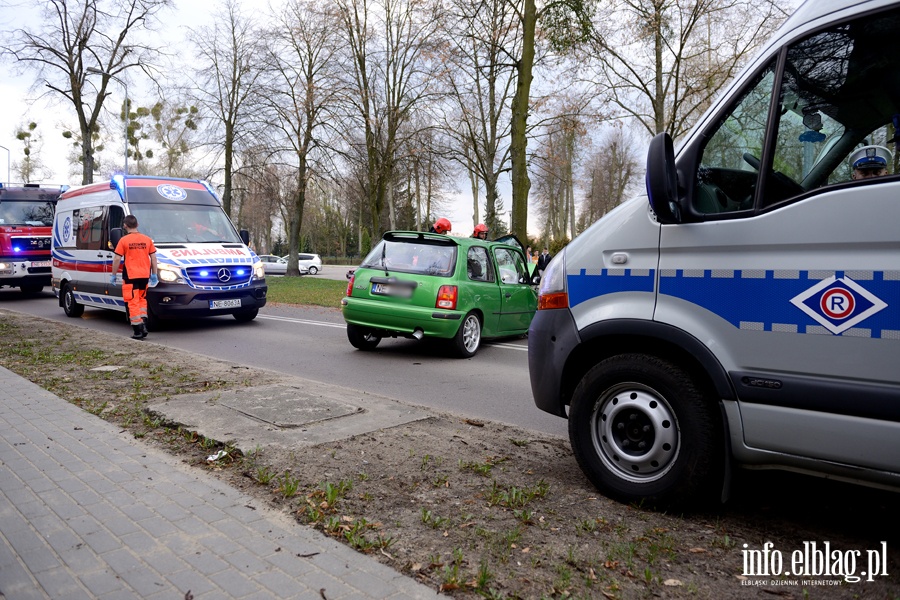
479	229
442	225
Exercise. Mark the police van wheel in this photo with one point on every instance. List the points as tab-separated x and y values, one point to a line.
361	338
70	305
643	431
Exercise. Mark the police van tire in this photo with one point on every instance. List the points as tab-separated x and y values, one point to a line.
245	316
362	338
643	431
69	304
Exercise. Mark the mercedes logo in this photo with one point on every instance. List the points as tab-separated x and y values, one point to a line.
224	275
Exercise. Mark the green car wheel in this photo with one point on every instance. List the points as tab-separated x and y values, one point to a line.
468	338
362	339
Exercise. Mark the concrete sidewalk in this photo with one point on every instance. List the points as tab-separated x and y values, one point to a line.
87	512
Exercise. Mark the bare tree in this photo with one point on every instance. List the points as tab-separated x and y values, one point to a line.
555	161
565	23
300	91
225	79
31	166
391	79
481	81
610	171
661	62
75	39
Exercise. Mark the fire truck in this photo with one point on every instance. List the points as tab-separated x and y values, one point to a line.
26	219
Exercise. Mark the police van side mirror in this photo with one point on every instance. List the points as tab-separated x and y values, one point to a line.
662	180
245	237
115	234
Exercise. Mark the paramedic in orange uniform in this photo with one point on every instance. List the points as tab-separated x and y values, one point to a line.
139	254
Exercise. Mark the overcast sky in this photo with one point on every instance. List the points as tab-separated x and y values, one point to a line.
18	106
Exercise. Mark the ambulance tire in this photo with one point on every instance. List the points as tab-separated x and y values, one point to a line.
643	431
245	316
69	304
362	338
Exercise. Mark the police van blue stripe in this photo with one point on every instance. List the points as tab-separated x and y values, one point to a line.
585	286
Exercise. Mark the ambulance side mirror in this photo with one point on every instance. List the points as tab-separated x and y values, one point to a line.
662	180
245	237
115	234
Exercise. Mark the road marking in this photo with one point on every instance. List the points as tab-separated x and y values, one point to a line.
342	326
303	321
510	346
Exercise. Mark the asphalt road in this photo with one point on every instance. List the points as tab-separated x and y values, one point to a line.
312	343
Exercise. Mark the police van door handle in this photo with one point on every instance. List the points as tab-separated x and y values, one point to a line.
619	258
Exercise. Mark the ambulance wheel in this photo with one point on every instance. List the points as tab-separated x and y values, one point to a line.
245	316
69	304
362	338
643	431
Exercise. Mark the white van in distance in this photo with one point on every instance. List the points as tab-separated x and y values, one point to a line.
746	311
205	266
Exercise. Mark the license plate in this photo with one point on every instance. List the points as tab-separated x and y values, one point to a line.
41	263
214	304
382	289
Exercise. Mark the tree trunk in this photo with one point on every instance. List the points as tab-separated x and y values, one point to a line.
521	184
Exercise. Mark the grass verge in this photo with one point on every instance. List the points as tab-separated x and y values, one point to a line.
306	290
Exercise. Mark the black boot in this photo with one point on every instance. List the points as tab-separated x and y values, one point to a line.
144	330
138	333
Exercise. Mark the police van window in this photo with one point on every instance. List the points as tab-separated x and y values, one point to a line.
728	172
840	94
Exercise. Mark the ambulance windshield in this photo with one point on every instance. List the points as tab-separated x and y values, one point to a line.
186	223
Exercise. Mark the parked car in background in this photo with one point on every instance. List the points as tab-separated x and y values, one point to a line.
417	285
274	265
311	262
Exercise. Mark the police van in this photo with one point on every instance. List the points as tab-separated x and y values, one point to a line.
205	265
746	311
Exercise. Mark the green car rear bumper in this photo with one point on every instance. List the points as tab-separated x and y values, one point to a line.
401	320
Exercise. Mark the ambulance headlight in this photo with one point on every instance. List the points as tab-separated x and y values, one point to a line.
259	271
170	274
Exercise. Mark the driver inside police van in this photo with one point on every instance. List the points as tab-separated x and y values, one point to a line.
870	161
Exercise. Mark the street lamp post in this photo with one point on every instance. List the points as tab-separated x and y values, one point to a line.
8	154
124	85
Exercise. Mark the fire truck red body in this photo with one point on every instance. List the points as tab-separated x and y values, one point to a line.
26	220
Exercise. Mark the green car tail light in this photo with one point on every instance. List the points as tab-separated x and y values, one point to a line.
447	297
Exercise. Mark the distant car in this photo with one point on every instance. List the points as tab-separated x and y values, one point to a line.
417	285
274	265
311	262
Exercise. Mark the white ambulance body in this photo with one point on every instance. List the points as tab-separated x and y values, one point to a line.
205	267
748	313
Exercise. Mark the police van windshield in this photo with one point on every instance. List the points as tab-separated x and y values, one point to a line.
185	223
33	214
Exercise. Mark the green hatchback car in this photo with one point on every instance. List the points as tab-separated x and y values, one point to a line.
417	285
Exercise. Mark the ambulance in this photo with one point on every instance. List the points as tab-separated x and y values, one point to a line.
205	266
745	312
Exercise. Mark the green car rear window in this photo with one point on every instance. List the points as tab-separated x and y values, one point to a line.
413	256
